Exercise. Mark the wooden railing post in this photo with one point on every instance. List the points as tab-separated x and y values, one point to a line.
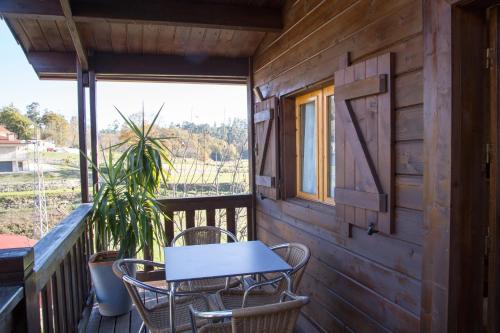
16	270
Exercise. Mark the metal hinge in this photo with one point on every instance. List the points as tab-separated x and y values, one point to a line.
488	57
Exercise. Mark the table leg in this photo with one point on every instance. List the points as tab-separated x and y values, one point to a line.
171	299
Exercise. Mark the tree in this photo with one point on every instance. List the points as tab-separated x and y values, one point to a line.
33	113
56	127
16	122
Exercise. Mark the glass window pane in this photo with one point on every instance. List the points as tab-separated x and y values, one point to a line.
308	149
331	146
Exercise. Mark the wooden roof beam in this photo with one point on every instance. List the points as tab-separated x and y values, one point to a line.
142	67
75	35
45	9
183	13
169	12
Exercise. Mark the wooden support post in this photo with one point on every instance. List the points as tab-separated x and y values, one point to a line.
93	130
82	133
251	230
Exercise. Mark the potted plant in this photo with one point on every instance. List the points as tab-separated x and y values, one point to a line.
126	218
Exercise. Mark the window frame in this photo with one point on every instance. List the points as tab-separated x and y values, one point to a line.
315	97
320	98
327	92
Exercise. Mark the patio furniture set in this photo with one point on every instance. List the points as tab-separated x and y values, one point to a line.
213	286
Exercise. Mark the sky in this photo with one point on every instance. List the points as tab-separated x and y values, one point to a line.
199	103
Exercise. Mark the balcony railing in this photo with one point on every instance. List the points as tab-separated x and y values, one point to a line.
47	288
232	212
52	277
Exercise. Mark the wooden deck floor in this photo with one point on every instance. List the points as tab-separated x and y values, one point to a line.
130	322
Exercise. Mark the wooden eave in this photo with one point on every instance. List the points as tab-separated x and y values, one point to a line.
201	41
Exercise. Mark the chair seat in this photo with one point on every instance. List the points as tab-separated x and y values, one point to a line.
159	314
216	328
208	285
233	298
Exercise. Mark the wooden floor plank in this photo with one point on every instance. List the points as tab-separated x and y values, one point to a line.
94	320
123	323
135	321
107	325
129	322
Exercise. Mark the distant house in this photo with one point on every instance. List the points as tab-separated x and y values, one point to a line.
13	157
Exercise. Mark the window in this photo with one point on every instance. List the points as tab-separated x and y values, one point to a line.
315	125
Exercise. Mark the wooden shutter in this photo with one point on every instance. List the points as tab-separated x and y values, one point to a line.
364	164
266	148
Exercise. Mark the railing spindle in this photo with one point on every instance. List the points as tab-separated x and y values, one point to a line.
169	226
68	283
210	217
250	226
190	219
55	303
231	220
78	276
45	309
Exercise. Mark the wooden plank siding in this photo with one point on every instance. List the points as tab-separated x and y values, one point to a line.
361	283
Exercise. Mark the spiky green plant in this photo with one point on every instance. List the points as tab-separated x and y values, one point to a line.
147	156
126	215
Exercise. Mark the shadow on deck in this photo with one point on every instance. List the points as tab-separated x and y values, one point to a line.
129	322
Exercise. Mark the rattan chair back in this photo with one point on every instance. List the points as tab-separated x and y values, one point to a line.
296	255
202	235
271	318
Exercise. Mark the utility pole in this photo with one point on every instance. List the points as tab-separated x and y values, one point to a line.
40	226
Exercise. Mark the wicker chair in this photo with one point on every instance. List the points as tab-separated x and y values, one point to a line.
270	318
155	314
200	236
269	290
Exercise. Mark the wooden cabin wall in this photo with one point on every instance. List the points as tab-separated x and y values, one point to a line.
361	283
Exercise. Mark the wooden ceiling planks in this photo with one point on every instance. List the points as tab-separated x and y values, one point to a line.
52	35
134	38
181	38
196	37
35	34
18	30
41	29
65	35
87	33
166	35
49	32
210	41
150	38
118	37
102	36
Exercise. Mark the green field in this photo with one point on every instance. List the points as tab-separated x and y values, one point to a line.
190	178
